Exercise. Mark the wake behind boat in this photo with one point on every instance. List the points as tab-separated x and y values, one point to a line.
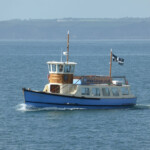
65	90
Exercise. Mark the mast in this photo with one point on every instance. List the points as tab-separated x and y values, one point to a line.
110	63
68	48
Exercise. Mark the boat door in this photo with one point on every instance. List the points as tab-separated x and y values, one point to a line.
55	88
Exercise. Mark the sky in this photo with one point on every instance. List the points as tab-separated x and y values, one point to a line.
58	9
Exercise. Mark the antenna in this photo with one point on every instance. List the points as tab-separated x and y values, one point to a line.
68	48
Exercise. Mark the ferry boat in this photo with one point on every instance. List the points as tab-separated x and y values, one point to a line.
65	90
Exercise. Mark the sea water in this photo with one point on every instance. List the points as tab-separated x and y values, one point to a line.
23	64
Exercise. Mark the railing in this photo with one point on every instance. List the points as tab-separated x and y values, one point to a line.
121	77
93	79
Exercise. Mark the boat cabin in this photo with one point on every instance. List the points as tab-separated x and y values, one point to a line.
60	73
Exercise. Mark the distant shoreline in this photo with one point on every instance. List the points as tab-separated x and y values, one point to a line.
80	29
78	19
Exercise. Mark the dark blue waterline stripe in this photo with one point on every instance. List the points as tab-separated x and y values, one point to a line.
71	104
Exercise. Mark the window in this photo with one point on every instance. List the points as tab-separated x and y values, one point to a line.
95	92
115	91
55	88
65	77
124	91
72	68
60	68
85	91
67	68
53	67
49	68
105	91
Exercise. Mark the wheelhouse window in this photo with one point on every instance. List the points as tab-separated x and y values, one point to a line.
95	91
106	91
49	68
67	68
115	91
85	91
72	68
124	91
53	67
60	68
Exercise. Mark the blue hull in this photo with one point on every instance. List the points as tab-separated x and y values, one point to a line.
41	99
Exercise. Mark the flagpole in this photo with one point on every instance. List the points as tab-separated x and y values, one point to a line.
68	48
110	63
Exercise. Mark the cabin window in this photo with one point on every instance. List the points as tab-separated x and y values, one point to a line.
95	92
49	68
72	68
65	77
53	67
55	88
85	91
115	91
60	68
124	91
106	91
67	68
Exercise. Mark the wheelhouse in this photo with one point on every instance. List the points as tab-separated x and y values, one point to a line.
61	67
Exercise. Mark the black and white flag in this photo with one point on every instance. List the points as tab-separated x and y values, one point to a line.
118	59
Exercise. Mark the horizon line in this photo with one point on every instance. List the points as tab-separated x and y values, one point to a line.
74	18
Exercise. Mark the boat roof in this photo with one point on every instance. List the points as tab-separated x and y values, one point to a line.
58	62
